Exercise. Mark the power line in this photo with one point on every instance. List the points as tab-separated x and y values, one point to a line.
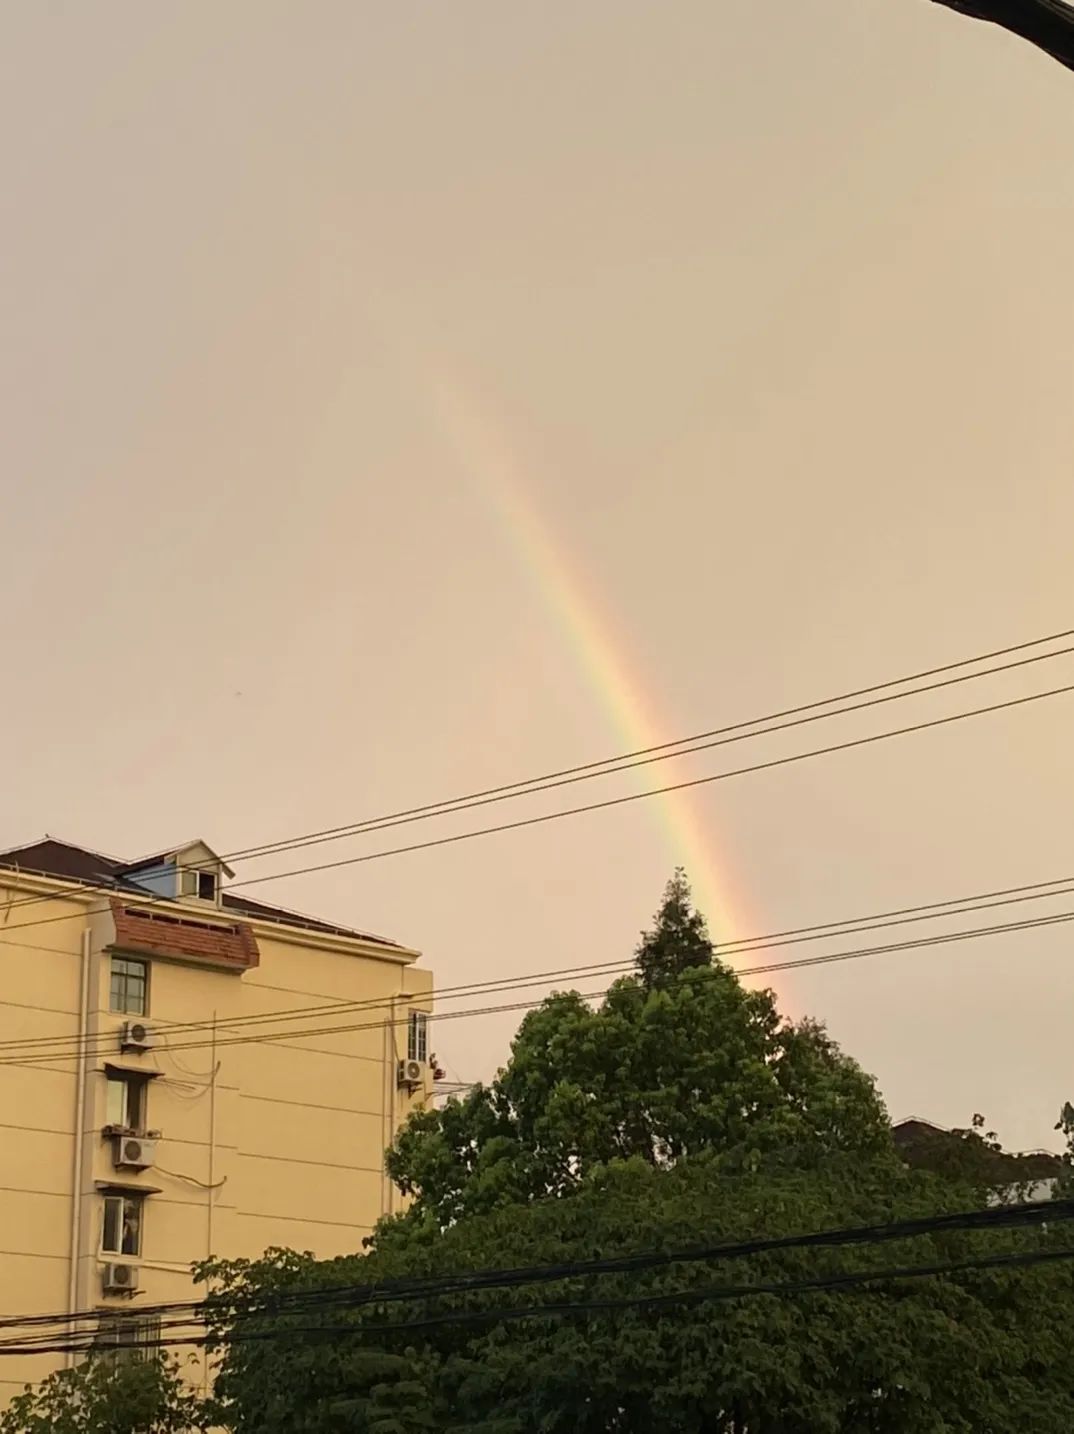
597	768
611	802
615	765
832	1283
407	1289
514	983
847	926
517	983
664	791
707	1294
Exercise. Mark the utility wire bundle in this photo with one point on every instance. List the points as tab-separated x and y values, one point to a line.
839	705
311	1021
296	1021
239	1319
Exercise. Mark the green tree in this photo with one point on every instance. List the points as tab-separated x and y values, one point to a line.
973	1353
684	1111
679	940
106	1396
1065	1125
679	1059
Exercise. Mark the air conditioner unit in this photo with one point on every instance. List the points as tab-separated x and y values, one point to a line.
136	1036
119	1279
133	1152
411	1073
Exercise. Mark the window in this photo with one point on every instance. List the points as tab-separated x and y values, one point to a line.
122	1225
127	1337
417	1036
125	1101
193	882
130	986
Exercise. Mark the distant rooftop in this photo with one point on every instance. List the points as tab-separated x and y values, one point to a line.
66	862
925	1145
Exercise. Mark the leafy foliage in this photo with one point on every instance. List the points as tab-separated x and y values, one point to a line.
679	940
1065	1124
678	1060
103	1396
972	1352
684	1112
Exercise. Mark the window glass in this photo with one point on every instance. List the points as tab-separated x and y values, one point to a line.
115	1110
132	1226
113	1224
130	979
122	1233
417	1045
125	1102
127	1337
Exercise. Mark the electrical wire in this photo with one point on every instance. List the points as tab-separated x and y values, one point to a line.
705	1295
597	768
661	791
832	1283
625	968
612	766
610	802
847	926
517	983
191	1179
406	1289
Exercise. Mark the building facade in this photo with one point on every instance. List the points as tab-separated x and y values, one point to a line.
184	1073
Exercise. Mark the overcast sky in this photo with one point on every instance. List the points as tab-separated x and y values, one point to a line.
764	313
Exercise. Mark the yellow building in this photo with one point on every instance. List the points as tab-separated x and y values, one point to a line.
184	1073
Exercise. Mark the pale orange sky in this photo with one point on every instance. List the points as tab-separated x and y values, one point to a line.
778	327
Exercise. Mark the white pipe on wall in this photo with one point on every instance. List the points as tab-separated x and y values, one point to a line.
80	1115
212	1141
393	1056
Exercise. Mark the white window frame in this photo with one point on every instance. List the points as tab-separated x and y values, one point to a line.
129	961
131	1085
137	1337
190	882
124	1199
417	1036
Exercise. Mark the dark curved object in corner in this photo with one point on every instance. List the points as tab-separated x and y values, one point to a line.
1048	24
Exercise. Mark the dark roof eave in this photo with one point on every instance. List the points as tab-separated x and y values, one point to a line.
56	860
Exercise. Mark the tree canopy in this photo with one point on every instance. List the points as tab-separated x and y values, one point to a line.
108	1395
973	1352
682	1112
679	1058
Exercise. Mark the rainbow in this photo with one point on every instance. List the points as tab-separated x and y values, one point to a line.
602	660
